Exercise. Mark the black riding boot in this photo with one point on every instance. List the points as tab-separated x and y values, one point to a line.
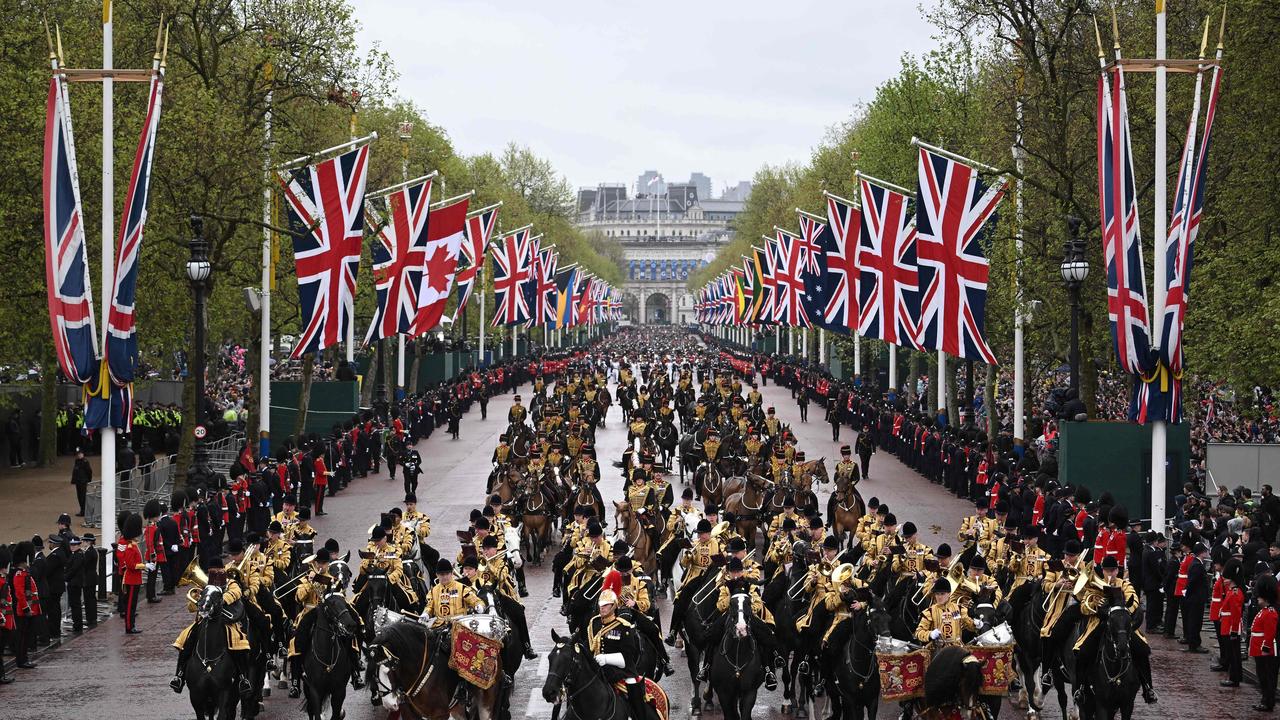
295	676
1142	664
635	697
357	669
240	658
180	675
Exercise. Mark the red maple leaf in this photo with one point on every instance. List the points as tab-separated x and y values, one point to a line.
439	267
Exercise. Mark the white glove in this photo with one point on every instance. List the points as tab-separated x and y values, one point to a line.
979	624
173	548
614	659
935	634
151	567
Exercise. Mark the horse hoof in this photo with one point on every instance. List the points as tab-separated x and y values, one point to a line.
785	709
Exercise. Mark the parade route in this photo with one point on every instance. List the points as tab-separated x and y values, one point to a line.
106	674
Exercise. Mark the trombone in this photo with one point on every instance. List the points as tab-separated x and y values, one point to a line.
1057	590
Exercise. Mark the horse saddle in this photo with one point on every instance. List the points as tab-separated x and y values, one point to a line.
653	694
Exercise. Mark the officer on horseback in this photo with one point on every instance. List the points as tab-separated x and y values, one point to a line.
237	640
612	642
311	591
696	562
735	581
497	575
636	607
1094	597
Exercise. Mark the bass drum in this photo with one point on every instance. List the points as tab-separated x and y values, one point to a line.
488	625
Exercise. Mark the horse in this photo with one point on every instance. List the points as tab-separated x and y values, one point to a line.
210	671
845	508
327	666
709	483
748	505
627	523
573	673
414	677
856	673
699	618
951	684
1027	651
667	438
737	669
1112	680
536	510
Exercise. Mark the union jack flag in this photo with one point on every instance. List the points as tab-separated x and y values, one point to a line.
888	283
446	225
600	302
1121	240
764	261
788	307
955	211
326	220
615	304
399	255
480	227
122	336
510	273
66	268
843	222
1188	204
544	286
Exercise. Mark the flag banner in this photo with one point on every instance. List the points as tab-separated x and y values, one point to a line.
1122	244
122	335
955	215
530	287
816	238
615	304
399	255
511	270
789	278
762	314
66	266
446	227
325	205
739	290
582	303
839	246
749	290
480	227
544	286
888	280
599	302
566	291
1188	205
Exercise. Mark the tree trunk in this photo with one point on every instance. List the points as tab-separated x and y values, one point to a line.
304	394
411	382
47	453
186	435
367	381
953	414
252	359
912	375
989	402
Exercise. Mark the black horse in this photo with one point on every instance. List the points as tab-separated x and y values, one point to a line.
210	671
1112	680
572	671
856	673
327	665
736	665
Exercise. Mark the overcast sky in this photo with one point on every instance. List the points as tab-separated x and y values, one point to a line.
609	89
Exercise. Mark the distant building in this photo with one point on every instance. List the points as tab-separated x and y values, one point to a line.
738	193
650	182
665	235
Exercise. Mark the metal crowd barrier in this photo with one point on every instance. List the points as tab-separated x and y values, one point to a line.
155	480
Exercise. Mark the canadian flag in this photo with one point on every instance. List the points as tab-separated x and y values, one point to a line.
446	231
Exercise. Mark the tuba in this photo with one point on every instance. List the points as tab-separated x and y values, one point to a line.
1087	582
196	578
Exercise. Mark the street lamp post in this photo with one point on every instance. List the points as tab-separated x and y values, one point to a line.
1074	269
198	271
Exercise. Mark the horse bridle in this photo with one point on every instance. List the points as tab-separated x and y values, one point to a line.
563	681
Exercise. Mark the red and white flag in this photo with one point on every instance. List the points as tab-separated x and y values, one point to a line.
446	230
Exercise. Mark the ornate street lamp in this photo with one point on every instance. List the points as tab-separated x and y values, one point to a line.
1074	269
198	272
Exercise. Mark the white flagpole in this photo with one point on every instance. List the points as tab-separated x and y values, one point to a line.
406	134
822	347
264	327
479	291
857	354
804	343
1158	428
893	367
108	279
942	384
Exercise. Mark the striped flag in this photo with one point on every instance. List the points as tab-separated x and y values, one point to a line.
480	225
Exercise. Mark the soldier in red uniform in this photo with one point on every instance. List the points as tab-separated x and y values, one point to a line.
1262	642
133	564
153	545
26	601
6	608
321	483
1230	622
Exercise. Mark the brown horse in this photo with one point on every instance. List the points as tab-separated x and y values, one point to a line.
413	672
845	508
536	518
710	483
627	524
748	505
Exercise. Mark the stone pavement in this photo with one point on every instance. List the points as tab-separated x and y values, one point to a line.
32	498
108	674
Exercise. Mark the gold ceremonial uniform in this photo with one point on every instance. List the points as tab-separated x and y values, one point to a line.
636	590
775	525
1092	599
1028	565
699	558
580	569
1057	599
912	559
421	522
236	637
757	604
950	619
447	600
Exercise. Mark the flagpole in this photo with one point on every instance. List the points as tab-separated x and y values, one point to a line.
479	290
351	321
822	347
857	353
804	343
264	319
1019	352
893	367
1158	428
942	383
406	134
108	278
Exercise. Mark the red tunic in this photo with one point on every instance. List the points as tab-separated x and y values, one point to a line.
1118	545
321	473
1180	589
25	595
1230	615
1262	634
1215	599
6	605
132	564
1037	510
1081	517
155	544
